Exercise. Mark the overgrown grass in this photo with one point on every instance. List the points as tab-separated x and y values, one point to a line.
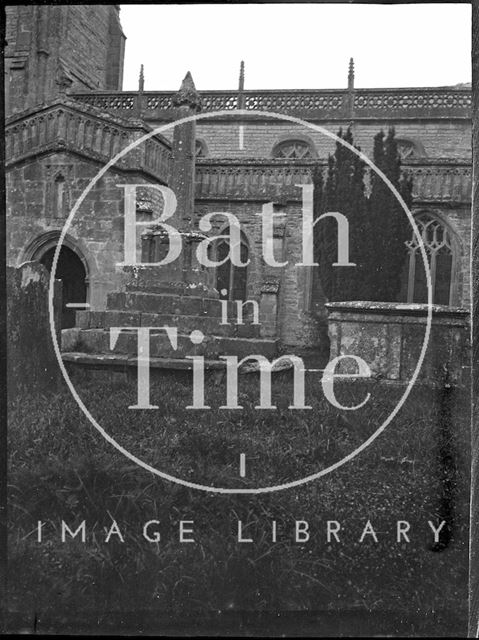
62	469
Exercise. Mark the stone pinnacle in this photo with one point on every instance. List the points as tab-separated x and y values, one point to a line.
187	95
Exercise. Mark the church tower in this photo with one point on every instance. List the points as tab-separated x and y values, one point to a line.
52	48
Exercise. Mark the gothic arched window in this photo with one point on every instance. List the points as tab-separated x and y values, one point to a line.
294	150
59	196
441	249
201	148
409	148
231	280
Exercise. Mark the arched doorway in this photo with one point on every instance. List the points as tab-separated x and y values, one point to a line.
71	271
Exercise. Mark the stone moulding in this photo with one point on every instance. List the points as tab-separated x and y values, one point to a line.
405	309
65	127
435	180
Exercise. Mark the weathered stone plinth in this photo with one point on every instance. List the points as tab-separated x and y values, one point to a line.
186	271
389	337
154	279
149	303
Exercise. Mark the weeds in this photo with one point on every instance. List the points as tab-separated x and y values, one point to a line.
62	469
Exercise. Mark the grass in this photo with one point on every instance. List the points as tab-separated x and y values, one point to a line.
60	468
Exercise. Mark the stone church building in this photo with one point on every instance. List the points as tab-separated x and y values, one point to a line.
67	116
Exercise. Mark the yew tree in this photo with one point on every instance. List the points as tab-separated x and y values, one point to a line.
378	225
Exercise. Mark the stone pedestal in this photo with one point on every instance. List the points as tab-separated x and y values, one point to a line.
184	272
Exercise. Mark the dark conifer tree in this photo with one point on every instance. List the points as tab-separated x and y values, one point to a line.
318	205
324	231
318	293
389	221
378	226
343	192
361	239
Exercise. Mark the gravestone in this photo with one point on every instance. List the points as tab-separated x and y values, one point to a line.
32	364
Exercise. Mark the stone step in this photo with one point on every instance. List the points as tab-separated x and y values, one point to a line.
112	361
98	341
184	324
170	304
182	289
123	361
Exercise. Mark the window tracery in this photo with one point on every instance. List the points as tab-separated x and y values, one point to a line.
294	150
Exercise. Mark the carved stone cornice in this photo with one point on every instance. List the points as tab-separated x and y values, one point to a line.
435	181
64	127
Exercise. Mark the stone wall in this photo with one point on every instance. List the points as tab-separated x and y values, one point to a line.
61	140
437	120
93	44
61	148
438	138
54	47
241	187
297	326
389	338
459	219
97	231
300	324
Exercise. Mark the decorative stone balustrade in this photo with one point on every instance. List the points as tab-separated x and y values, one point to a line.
427	102
64	127
434	180
340	104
